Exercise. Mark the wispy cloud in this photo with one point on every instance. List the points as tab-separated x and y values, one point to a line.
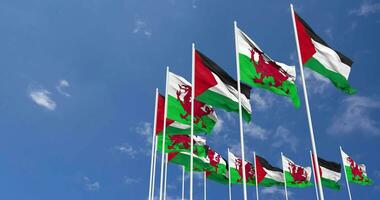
366	8
218	126
355	114
62	85
130	180
141	27
42	98
316	83
262	100
274	191
194	4
91	185
127	149
145	129
256	131
283	137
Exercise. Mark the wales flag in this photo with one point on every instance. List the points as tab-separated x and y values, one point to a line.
296	175
258	70
355	173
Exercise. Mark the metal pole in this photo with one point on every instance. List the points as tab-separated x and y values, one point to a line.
229	175
315	180
283	170
192	119
256	181
164	134
166	175
152	160
183	182
204	186
314	148
240	113
345	174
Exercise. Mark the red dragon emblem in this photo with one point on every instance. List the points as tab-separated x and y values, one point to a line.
267	68
181	141
200	109
214	158
249	170
357	170
298	173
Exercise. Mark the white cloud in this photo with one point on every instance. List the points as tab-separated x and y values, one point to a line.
142	28
275	191
127	149
145	129
316	83
283	137
329	33
261	100
356	115
256	131
194	4
218	126
366	8
62	84
41	97
91	185
129	180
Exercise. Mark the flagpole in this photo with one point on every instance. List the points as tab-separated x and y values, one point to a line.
183	182
345	174
256	181
153	146
315	180
154	167
307	108
240	113
229	175
164	134
192	119
204	186
283	170
166	175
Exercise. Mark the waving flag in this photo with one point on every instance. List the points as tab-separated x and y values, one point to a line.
259	70
267	174
179	106
356	173
317	55
182	143
330	173
236	166
215	87
296	175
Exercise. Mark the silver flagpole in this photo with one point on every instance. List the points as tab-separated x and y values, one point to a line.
256	181
315	157
240	113
345	174
192	119
166	175
154	167
315	180
164	134
183	182
204	186
229	175
153	147
283	173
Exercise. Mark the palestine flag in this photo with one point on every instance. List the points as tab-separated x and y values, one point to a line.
200	163
215	87
171	125
179	106
182	143
235	165
259	70
267	174
317	55
330	173
355	173
296	175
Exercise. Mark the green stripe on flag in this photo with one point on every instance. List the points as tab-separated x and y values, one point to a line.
330	184
291	183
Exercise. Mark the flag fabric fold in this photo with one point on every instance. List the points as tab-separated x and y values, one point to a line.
236	166
296	175
330	173
355	173
267	174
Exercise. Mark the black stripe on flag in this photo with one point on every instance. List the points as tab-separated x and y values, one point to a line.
346	60
333	166
223	75
266	164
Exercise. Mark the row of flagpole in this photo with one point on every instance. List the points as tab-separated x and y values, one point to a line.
162	193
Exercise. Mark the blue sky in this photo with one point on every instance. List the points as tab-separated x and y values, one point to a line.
77	88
